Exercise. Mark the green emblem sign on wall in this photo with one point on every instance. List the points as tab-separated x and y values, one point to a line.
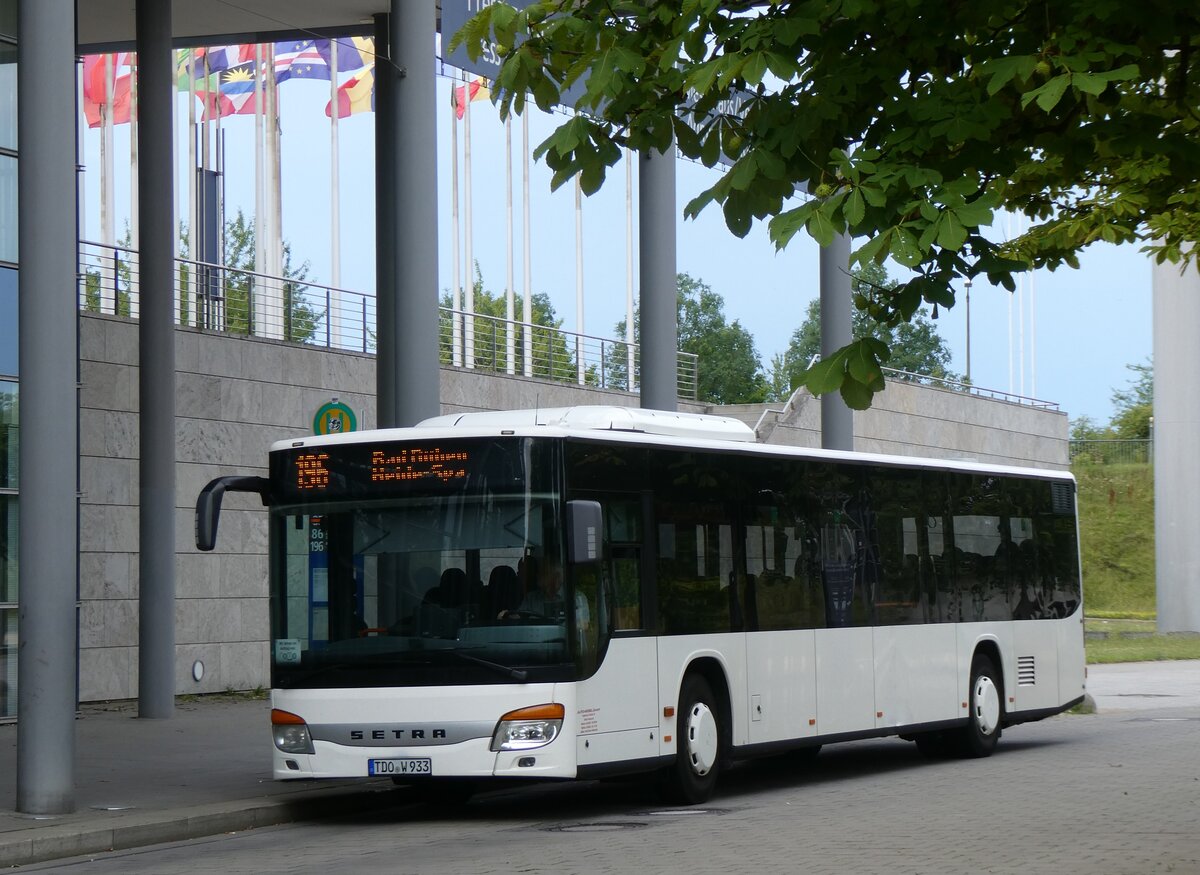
334	418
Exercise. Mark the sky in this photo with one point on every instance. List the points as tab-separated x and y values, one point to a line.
1081	328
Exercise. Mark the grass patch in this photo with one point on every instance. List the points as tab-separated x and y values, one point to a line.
1118	649
1116	534
1121	615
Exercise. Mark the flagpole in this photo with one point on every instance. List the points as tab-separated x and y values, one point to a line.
334	317
274	200
456	357
134	236
629	270
527	308
81	176
108	272
193	284
509	308
260	265
469	352
579	278
175	183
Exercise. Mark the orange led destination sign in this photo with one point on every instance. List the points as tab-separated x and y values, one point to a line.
311	472
366	469
417	463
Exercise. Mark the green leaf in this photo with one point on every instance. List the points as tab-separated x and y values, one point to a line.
1089	83
1049	94
855	209
904	248
826	375
951	233
820	228
856	395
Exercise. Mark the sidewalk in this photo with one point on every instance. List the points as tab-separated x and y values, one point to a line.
207	770
140	782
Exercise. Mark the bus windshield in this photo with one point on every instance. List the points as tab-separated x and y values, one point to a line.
389	575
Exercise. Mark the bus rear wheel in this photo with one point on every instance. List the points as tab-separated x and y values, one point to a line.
698	759
986	703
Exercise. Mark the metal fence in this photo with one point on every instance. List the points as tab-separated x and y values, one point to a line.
1113	452
957	386
219	298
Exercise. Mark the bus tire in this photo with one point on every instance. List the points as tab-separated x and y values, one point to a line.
692	778
986	708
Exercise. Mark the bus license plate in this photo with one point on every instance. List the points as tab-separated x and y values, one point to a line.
400	766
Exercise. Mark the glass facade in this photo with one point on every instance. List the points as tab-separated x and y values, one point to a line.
8	359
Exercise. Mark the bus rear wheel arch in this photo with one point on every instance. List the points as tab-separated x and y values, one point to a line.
701	745
985	707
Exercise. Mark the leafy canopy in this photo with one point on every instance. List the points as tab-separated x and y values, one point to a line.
908	124
916	349
728	367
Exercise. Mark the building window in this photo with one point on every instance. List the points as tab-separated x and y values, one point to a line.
8	95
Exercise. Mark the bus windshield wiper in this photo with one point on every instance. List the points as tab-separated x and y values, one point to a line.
516	674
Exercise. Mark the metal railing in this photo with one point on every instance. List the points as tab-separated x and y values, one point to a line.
1113	451
957	386
219	298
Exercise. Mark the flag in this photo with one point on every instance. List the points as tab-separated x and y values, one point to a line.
479	91
181	72
235	95
301	59
353	53
222	58
94	70
356	95
310	59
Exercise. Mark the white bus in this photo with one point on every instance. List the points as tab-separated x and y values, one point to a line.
588	591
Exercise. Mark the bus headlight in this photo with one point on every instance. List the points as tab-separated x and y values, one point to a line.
527	728
290	732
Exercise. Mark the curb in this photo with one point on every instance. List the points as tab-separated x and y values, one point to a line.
139	829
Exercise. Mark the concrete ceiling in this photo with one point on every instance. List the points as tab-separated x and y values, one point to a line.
109	24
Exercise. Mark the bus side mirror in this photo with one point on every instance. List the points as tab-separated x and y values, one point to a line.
208	504
585	527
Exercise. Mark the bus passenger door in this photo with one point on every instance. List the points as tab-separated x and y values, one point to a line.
617	705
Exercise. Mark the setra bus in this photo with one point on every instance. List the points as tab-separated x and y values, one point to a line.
596	591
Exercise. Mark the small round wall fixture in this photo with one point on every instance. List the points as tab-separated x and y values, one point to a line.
197	671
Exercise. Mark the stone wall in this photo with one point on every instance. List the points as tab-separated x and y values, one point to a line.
907	419
236	396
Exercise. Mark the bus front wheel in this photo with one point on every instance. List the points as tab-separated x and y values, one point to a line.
693	776
986	705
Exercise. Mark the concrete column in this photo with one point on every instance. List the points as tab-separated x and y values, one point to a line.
1176	446
409	123
385	227
49	372
837	420
659	293
156	371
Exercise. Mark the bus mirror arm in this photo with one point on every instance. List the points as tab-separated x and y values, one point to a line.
208	504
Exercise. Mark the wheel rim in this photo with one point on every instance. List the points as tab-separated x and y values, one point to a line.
986	705
701	737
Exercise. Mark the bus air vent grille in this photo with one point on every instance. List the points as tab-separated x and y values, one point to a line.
1026	671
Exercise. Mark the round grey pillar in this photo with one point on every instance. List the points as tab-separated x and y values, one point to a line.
48	543
1176	446
837	420
658	302
156	364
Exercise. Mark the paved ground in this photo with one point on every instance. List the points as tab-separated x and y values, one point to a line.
1119	792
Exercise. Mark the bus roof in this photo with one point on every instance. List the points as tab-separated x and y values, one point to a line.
636	425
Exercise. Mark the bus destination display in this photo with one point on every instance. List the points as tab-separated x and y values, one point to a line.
367	468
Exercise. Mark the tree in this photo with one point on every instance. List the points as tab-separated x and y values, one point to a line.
242	289
1082	115
916	348
552	358
1134	405
728	367
236	284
